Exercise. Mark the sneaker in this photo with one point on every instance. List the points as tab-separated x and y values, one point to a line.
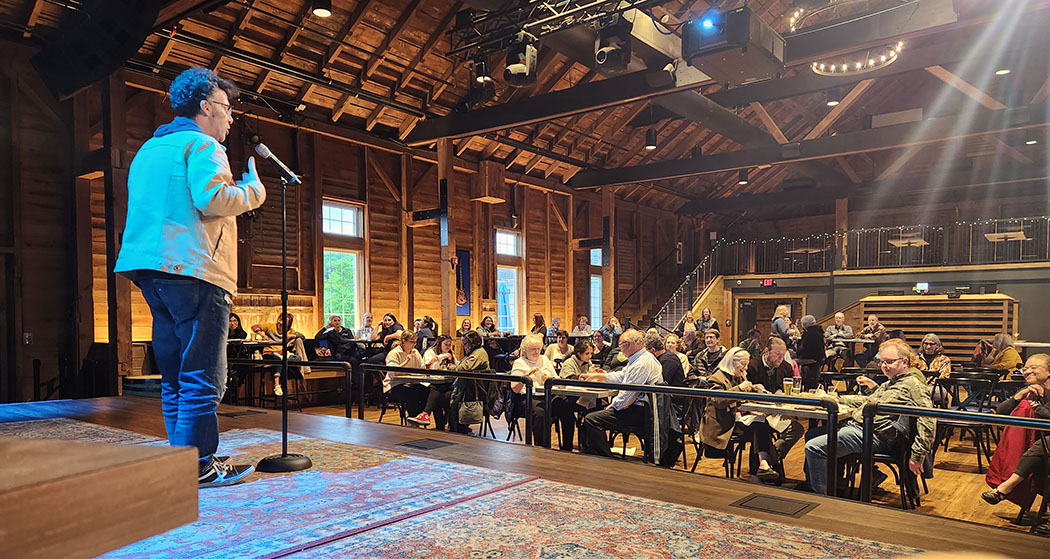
277	390
421	419
220	474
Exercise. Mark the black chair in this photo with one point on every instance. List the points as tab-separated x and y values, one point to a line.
896	459
978	393
643	433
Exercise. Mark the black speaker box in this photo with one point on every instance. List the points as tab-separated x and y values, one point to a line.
93	42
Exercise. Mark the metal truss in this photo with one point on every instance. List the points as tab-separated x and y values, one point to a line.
488	32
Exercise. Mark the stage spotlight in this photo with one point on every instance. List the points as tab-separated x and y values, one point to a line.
1002	71
481	71
650	139
832	97
697	152
742	177
521	62
322	8
482	88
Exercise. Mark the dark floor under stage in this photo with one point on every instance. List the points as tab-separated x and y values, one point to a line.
628	477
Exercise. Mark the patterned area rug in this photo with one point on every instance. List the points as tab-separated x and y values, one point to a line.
350	489
73	430
549	520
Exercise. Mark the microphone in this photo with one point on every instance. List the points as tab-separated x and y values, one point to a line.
287	173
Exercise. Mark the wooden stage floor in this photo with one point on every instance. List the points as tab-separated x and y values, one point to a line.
628	477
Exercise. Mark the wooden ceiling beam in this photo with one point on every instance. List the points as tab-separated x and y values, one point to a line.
838	110
238	27
34	15
965	87
1043	92
768	121
428	46
848	169
898	163
395	31
286	43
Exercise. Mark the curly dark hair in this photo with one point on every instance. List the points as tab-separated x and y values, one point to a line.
193	86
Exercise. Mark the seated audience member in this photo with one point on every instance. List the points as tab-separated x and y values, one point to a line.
412	394
424	333
538	325
833	336
674	345
811	349
770	370
475	358
339	340
719	420
534	365
999	354
487	328
389	333
464	327
794	334
236	330
552	332
626	410
652	330
932	360
688	323
583	327
670	364
602	347
873	331
780	325
690	345
611	329
904	389
366	330
271	332
559	351
708	359
565	408
1031	401
706	322
752	343
438	357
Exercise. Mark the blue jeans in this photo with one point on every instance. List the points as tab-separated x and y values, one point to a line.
851	441
190	323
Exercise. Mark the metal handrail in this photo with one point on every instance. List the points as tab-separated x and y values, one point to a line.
475	375
830	406
347	374
871	410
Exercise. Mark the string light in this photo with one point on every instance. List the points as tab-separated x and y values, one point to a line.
796	19
859	64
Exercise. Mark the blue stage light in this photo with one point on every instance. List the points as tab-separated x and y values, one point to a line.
708	23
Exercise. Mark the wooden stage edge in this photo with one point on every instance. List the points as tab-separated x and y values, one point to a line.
840	516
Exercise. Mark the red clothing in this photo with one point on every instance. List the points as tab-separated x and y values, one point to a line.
1012	444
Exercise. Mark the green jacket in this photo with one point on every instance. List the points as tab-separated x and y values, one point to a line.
904	390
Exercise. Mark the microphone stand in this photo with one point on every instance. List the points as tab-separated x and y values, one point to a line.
284	462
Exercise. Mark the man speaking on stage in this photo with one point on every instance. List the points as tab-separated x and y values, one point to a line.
180	248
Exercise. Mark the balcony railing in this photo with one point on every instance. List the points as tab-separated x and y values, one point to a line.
990	241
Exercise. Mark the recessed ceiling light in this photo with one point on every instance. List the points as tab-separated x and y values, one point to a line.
832	102
1002	71
1031	142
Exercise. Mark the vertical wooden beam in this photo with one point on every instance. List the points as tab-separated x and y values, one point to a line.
11	180
118	288
448	240
476	269
609	259
85	320
408	273
317	186
841	226
547	254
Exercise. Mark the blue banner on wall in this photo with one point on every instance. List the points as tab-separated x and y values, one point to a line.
463	283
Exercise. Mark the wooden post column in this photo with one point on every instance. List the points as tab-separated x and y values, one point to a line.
118	288
841	225
608	253
448	239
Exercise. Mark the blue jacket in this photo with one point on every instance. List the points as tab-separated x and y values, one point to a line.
182	207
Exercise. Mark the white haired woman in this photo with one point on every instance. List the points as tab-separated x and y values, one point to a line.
720	419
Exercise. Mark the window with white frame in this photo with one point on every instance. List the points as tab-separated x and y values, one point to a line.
508	295
596	257
508	243
596	301
339	218
342	285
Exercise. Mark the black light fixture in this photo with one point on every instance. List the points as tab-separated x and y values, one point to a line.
742	176
697	152
832	97
650	139
321	8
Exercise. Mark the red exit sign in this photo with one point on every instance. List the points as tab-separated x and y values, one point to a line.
769	282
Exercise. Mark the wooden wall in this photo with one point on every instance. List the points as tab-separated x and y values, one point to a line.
390	184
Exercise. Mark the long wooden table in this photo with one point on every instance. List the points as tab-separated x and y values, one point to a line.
800	411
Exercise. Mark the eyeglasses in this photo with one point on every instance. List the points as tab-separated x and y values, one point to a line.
226	107
891	362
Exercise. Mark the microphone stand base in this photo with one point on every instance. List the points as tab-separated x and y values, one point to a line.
281	463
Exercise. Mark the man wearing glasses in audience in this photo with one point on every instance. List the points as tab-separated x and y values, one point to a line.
902	389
